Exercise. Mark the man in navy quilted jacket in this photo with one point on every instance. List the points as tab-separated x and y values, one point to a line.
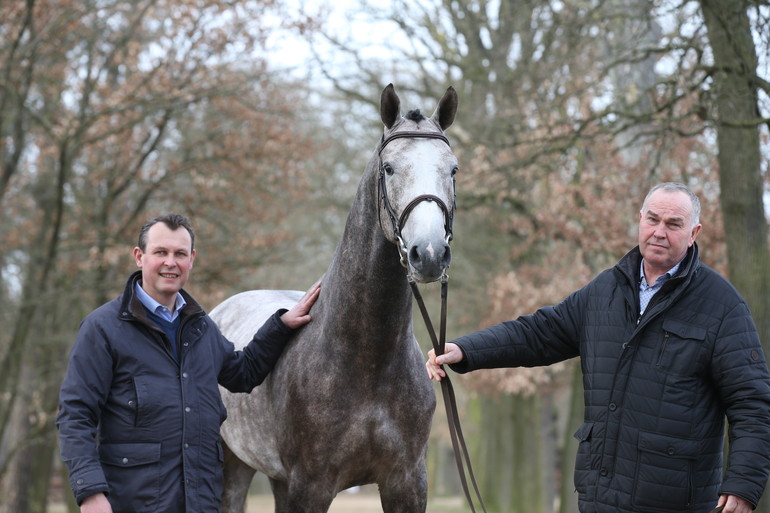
668	350
139	407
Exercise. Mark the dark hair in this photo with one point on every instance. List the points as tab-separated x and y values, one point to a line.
173	221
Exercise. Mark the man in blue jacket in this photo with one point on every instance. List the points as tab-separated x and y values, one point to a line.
668	349
140	409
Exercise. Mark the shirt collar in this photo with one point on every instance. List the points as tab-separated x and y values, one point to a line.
671	272
155	307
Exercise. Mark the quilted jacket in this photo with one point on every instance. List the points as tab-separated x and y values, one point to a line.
657	388
143	428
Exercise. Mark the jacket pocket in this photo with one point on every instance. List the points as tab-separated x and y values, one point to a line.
680	347
583	466
133	475
664	472
157	401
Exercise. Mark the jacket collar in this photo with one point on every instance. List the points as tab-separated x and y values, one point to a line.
629	265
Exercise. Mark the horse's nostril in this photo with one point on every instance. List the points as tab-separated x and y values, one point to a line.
447	256
414	254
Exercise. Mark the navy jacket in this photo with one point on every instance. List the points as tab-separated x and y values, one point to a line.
143	428
657	387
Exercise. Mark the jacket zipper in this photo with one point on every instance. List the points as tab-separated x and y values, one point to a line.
662	348
136	404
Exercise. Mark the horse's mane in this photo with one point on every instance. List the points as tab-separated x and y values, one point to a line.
415	115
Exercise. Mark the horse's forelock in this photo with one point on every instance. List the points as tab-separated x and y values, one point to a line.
415	115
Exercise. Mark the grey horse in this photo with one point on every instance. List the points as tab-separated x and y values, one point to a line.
349	402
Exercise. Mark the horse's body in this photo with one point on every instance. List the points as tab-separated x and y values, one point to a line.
349	402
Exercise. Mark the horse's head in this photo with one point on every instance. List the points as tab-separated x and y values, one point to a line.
417	184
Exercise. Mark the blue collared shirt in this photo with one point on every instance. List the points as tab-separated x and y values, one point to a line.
155	307
646	291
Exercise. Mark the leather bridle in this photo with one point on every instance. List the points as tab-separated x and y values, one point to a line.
459	446
398	222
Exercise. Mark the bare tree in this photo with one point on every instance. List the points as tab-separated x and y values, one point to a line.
569	111
118	112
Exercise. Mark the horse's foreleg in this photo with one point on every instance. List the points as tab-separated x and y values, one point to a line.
280	495
405	493
302	495
238	478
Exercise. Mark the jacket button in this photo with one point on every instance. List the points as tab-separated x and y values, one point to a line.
125	460
671	451
184	374
603	472
131	402
187	409
79	481
613	407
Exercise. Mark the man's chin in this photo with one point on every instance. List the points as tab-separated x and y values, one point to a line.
655	253
170	289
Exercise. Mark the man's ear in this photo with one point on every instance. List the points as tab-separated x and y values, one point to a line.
694	233
138	254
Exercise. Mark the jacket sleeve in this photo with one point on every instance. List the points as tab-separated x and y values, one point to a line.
740	372
549	335
243	370
82	395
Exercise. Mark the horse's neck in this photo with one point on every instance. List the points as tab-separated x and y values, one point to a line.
367	295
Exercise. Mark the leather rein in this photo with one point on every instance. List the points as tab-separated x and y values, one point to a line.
459	446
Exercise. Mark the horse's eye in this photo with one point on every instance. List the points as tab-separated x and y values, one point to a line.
454	170
388	169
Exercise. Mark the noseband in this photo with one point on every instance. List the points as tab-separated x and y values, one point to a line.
399	221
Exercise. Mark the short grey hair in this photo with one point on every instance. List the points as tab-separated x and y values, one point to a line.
677	187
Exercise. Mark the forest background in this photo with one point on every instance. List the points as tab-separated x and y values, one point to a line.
114	111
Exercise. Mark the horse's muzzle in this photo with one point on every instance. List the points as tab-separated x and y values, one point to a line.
428	260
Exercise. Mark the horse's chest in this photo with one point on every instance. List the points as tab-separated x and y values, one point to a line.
361	413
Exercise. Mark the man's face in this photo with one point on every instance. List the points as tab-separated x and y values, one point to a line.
165	263
665	229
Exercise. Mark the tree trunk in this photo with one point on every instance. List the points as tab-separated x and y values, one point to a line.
739	155
740	176
36	284
568	497
31	434
24	487
511	456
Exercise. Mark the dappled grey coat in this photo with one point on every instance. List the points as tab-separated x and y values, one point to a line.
657	388
143	428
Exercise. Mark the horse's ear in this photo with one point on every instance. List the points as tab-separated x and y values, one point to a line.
447	108
389	106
